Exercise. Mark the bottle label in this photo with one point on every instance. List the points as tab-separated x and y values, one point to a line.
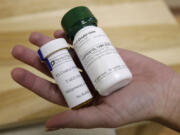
68	78
97	54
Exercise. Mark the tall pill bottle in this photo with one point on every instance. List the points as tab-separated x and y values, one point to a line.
65	72
104	66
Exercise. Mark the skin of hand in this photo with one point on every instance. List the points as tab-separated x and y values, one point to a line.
153	94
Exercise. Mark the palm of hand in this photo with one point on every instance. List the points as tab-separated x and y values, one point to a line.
135	102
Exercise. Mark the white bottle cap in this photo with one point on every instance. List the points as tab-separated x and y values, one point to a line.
51	47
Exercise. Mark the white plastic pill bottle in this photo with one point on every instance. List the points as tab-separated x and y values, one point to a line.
103	64
65	72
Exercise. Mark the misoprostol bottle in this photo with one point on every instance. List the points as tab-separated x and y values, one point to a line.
101	61
65	72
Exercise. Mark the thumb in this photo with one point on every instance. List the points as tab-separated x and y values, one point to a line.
89	117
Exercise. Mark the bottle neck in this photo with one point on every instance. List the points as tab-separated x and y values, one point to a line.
79	25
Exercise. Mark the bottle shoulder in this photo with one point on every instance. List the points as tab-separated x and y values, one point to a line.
86	31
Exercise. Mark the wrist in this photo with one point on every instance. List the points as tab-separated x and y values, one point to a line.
170	114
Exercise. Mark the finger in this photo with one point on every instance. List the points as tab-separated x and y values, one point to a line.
61	34
39	39
29	57
38	85
89	117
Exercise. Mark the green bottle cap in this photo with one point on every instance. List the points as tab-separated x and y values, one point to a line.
75	19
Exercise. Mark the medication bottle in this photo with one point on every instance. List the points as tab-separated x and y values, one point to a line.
63	69
103	64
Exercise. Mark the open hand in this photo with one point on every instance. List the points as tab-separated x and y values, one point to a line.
152	94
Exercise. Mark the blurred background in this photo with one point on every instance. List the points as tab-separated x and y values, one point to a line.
150	27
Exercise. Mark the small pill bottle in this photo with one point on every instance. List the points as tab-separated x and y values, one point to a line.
65	72
103	64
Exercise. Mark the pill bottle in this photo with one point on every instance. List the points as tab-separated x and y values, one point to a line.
65	72
103	64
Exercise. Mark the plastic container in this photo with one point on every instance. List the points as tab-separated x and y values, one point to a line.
103	64
65	72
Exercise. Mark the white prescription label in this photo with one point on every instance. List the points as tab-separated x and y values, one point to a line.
97	54
68	78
